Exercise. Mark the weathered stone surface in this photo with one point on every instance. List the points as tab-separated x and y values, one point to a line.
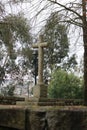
37	119
13	118
10	100
58	120
43	118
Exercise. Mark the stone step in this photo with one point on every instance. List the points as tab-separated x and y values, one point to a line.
50	102
8	100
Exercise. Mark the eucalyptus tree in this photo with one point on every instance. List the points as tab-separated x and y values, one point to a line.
57	54
15	38
15	44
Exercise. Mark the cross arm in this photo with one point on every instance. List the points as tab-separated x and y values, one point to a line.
37	45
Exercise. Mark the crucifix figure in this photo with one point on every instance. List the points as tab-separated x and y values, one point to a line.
40	86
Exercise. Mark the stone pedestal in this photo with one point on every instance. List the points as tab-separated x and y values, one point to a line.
40	91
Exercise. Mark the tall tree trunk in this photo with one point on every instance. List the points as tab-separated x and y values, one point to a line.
85	50
85	65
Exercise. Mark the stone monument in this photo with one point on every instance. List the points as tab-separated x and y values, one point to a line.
40	90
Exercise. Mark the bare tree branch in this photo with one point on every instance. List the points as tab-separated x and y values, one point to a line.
66	8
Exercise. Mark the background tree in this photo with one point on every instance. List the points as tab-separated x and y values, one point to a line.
64	85
15	39
57	54
56	36
8	90
77	13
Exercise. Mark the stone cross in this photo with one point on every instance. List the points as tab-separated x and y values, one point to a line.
41	45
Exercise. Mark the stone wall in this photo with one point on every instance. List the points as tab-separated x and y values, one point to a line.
12	118
7	128
39	118
10	100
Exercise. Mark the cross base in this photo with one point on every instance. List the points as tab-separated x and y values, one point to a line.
40	91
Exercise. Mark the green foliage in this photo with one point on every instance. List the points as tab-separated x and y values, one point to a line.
11	91
15	28
8	91
70	64
20	26
15	39
64	85
57	54
56	36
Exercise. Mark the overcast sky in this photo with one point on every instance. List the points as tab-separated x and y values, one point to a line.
33	7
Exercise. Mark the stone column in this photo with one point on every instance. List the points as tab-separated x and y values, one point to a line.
40	90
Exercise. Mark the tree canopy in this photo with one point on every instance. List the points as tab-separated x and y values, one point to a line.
65	86
57	53
15	38
55	34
